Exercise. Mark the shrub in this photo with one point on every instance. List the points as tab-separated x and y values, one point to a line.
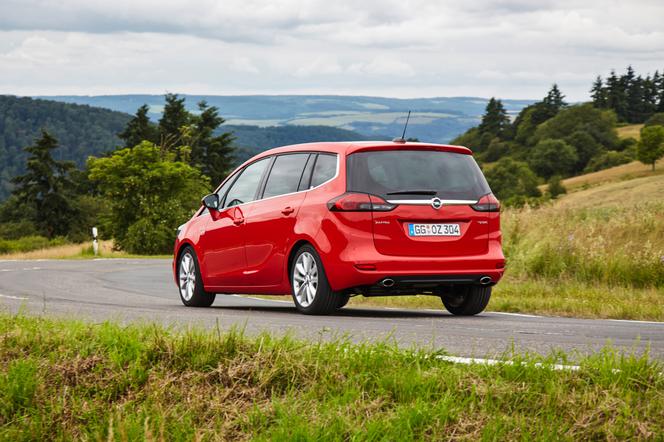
29	243
553	157
556	186
607	160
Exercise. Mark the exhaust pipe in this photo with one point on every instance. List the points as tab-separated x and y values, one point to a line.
387	282
485	280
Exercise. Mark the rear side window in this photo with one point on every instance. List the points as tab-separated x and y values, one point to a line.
245	187
426	173
285	174
324	170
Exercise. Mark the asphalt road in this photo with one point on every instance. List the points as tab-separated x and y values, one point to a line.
143	290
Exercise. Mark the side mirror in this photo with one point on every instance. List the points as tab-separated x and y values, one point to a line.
211	201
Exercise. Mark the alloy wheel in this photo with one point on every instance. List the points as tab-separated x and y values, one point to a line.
187	276
305	279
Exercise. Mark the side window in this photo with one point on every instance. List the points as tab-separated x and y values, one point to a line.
325	169
244	188
223	189
285	174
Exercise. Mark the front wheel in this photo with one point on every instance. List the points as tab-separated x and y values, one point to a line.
190	283
311	290
467	301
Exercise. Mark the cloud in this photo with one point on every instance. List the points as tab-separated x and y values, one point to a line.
508	48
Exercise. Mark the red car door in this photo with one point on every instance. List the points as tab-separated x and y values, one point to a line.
224	257
270	222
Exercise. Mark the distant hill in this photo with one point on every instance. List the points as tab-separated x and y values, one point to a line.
81	130
434	119
251	140
84	130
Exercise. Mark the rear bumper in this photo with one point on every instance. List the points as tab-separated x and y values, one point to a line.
343	272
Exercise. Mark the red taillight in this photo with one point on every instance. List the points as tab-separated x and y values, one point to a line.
359	202
488	203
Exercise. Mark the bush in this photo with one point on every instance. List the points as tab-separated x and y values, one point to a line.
655	120
553	157
607	160
509	178
556	186
16	230
146	237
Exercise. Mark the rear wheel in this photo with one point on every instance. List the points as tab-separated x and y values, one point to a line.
311	291
467	301
190	282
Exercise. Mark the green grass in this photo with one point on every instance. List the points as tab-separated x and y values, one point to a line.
69	380
29	243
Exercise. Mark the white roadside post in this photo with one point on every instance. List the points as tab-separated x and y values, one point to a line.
95	243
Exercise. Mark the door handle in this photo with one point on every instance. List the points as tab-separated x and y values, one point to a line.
238	221
288	210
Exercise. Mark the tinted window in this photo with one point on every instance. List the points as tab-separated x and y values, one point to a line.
223	189
285	174
450	175
245	187
325	169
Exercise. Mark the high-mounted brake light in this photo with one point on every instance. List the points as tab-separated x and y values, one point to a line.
488	203
359	202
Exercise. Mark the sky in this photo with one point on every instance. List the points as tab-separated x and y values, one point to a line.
406	48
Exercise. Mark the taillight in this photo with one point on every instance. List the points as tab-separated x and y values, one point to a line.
359	202
488	203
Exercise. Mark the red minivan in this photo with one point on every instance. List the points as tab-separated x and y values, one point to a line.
327	221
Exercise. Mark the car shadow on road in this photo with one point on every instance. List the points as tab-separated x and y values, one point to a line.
353	312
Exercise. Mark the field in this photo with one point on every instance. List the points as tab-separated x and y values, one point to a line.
596	253
70	380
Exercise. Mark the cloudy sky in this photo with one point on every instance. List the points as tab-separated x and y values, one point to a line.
405	48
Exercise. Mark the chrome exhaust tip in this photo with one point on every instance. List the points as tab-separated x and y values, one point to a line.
485	280
387	282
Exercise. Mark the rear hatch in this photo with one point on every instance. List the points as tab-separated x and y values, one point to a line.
433	192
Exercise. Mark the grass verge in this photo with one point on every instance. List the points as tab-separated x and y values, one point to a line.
76	251
61	379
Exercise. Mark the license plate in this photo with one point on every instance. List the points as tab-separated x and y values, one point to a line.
434	230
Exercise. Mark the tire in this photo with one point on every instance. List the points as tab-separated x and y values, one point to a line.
311	290
190	283
467	301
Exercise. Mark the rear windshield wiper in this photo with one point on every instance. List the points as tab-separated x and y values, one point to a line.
414	192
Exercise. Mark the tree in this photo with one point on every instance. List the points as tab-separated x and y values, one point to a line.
584	117
495	120
615	95
509	178
585	146
212	154
598	93
651	146
554	98
173	120
139	129
149	194
45	188
553	157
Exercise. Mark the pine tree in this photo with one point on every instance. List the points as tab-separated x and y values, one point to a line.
598	93
554	98
615	97
139	129
45	187
173	120
635	96
495	120
659	86
212	154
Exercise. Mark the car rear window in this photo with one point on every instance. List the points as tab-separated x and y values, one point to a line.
390	173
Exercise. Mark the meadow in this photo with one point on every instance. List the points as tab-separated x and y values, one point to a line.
596	253
64	380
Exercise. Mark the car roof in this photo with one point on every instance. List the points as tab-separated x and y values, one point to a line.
349	147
